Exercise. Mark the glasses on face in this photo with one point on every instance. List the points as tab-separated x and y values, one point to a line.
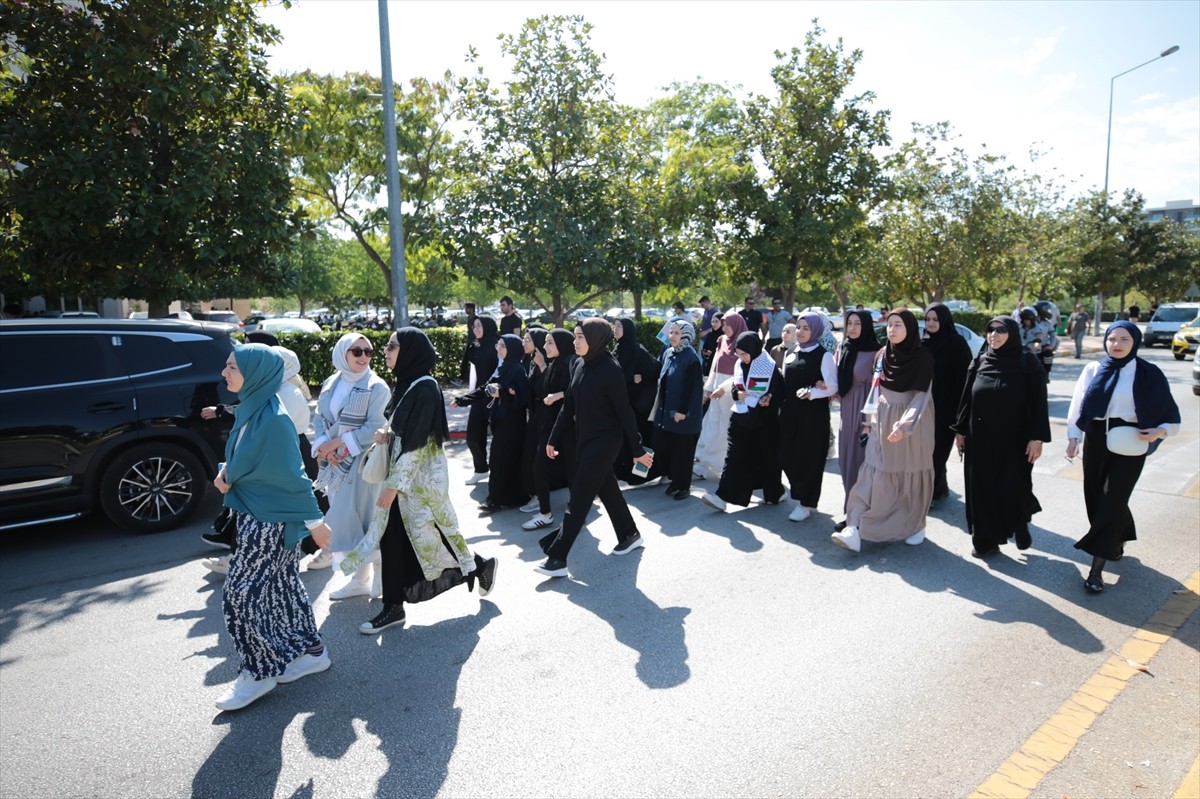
359	352
392	345
1001	330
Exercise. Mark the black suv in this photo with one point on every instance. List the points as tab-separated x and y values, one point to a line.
106	412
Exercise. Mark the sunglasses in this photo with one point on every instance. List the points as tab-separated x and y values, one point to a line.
359	352
997	330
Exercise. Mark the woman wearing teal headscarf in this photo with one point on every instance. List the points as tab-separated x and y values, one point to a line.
267	612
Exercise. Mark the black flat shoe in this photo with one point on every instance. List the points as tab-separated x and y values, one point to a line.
490	507
1093	584
987	553
682	493
1024	539
839	526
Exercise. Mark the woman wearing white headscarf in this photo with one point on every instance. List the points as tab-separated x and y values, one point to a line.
350	409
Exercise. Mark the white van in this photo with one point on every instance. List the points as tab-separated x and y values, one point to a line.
1167	320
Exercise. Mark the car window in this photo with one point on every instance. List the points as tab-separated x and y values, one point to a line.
1174	315
148	354
34	361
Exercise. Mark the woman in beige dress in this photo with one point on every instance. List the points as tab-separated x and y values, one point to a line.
895	484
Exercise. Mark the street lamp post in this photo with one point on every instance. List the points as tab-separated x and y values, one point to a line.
395	219
1108	152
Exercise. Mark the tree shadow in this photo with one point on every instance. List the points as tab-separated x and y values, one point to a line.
402	692
656	634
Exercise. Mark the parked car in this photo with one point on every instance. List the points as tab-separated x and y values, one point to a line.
228	317
580	314
1167	320
1184	341
958	305
288	325
108	416
836	321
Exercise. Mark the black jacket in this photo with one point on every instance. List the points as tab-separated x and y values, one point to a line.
597	406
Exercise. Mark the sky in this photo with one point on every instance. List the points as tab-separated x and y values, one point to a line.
1008	76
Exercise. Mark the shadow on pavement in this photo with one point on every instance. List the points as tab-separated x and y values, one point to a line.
656	634
405	697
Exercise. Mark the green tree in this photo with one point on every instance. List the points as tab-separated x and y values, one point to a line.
808	216
339	168
146	146
533	208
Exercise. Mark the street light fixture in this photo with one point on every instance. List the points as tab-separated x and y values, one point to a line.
1108	153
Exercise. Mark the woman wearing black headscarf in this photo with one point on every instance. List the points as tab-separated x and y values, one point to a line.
753	459
892	494
708	348
951	357
550	474
855	364
1122	391
597	410
641	373
536	363
1002	421
415	526
483	361
508	395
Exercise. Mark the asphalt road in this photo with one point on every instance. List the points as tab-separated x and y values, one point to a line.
738	654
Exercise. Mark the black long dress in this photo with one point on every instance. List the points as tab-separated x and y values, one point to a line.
752	461
803	426
951	358
508	420
483	357
1003	408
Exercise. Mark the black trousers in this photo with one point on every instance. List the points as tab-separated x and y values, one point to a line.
403	579
477	434
674	457
943	443
593	478
544	469
1108	482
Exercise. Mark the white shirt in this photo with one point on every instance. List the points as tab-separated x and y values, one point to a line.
1120	405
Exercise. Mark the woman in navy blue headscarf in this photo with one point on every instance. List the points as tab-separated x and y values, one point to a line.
1122	390
508	398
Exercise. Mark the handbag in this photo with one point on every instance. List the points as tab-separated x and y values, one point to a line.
1124	441
376	462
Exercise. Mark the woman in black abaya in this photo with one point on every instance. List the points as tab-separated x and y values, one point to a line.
951	357
483	360
753	459
1002	421
508	398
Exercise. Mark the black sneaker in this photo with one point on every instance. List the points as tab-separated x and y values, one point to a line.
487	576
552	568
215	539
628	545
390	616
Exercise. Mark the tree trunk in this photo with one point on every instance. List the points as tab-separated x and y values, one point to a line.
556	299
157	310
843	295
637	305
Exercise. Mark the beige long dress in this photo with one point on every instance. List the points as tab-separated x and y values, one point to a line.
895	483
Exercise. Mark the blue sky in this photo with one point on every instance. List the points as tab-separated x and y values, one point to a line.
1006	75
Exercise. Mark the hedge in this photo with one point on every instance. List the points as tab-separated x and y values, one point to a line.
315	349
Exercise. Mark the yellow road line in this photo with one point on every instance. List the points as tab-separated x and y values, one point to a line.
1190	789
1050	744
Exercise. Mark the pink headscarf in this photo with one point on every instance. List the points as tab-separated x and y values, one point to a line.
734	326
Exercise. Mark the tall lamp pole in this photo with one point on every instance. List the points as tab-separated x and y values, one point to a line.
395	219
1108	152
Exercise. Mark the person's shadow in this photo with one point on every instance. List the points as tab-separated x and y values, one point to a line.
403	690
656	634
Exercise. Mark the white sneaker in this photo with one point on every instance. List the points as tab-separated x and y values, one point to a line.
713	501
847	539
542	520
245	690
799	513
915	538
321	560
532	506
477	477
305	665
218	565
360	584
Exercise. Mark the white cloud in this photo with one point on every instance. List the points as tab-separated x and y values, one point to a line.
1055	87
1148	98
1023	63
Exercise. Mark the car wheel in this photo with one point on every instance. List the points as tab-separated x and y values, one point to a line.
1179	356
152	487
